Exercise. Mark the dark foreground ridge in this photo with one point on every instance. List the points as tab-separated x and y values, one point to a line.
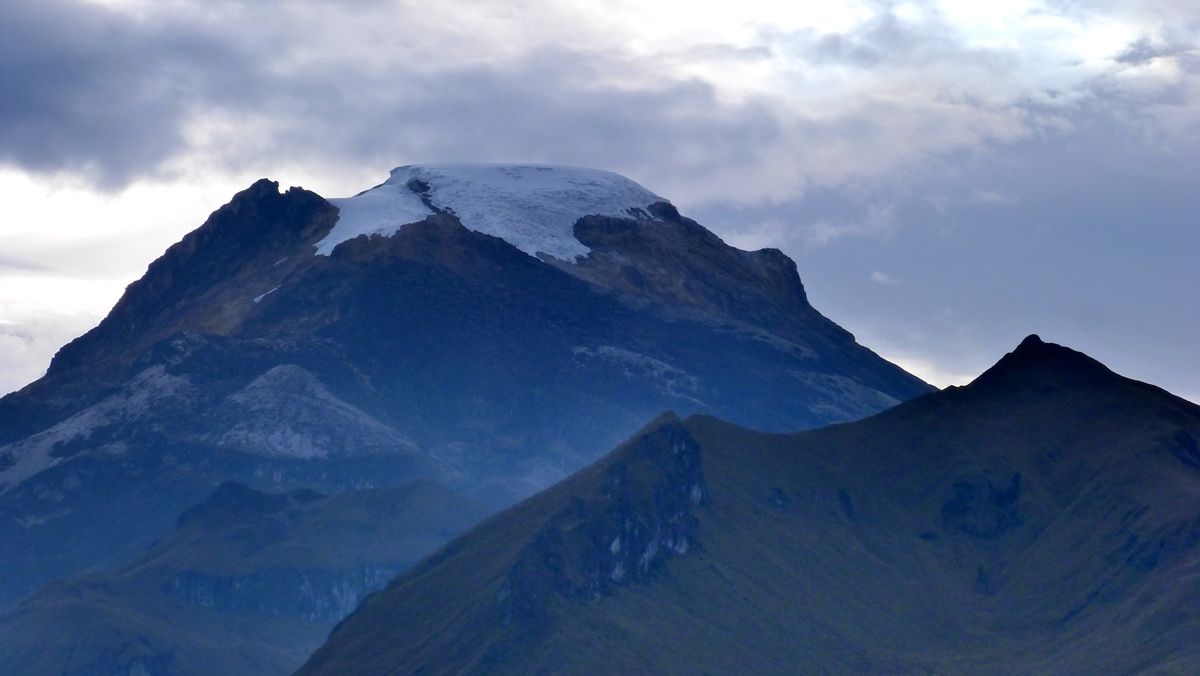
1042	519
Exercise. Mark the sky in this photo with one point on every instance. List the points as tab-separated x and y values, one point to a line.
948	176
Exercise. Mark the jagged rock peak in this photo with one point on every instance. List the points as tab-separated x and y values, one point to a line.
533	207
1035	361
1031	342
1033	348
257	224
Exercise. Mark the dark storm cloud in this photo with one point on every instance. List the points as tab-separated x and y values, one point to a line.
108	96
90	91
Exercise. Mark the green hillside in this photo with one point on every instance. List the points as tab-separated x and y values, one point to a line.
249	583
1045	518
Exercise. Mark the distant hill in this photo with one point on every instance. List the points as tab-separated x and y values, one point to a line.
1043	519
249	583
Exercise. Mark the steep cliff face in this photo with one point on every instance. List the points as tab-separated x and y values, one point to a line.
609	530
1041	519
642	515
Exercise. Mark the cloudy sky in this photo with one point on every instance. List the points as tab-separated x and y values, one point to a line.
949	176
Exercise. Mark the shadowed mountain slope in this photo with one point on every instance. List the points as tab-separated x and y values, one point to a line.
1043	519
249	583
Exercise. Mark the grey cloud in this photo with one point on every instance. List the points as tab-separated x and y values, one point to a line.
728	52
887	41
20	265
1142	51
543	107
89	91
99	94
110	97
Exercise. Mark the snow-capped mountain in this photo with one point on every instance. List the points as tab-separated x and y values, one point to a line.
532	207
491	328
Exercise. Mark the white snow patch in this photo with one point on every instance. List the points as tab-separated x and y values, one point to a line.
532	207
378	211
264	295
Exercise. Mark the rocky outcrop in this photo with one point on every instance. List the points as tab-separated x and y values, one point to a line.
982	509
675	261
288	412
642	516
189	287
312	595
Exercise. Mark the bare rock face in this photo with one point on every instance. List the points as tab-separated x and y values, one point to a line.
287	412
673	260
642	516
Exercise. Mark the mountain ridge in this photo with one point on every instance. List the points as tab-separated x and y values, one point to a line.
1038	523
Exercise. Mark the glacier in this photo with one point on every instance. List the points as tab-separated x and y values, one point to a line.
533	207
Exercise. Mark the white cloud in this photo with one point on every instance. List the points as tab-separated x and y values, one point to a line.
878	220
929	370
884	278
997	197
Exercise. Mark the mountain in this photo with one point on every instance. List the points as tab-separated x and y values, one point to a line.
1043	519
490	328
248	583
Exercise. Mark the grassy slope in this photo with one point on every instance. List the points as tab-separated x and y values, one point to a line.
104	623
895	543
